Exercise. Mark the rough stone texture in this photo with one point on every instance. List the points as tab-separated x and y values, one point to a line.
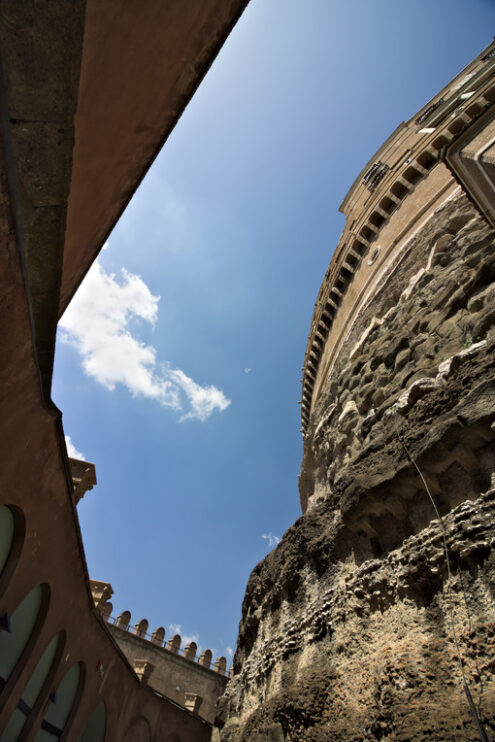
349	627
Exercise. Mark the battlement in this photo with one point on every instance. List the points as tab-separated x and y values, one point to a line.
157	637
102	591
413	160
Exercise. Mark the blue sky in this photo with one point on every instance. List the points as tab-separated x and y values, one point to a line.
187	404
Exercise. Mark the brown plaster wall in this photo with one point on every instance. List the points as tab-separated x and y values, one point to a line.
141	63
33	478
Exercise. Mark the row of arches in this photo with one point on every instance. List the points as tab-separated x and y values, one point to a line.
18	636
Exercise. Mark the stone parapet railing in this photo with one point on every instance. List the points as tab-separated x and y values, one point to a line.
101	594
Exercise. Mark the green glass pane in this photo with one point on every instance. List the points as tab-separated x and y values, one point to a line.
94	731
22	623
40	673
44	736
14	727
6	534
65	694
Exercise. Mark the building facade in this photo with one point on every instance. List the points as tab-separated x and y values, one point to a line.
89	92
194	681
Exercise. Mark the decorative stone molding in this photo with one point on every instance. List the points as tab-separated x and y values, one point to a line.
192	702
401	164
143	670
101	592
83	477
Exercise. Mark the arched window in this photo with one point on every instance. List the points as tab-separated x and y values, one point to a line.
46	665
139	731
6	534
61	704
26	617
12	528
94	731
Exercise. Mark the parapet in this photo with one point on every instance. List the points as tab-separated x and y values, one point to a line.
381	194
101	591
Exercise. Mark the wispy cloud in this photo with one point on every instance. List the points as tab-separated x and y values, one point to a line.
176	628
72	450
229	652
247	370
97	322
272	540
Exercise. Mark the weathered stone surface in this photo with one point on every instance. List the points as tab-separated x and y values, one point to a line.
350	626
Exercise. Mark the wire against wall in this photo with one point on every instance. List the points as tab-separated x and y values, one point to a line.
472	707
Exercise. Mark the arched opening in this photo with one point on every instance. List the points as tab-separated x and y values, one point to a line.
6	534
61	704
36	684
139	731
12	530
15	641
94	731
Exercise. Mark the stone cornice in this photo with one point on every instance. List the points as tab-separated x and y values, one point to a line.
405	159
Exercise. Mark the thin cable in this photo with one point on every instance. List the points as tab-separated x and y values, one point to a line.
470	626
483	737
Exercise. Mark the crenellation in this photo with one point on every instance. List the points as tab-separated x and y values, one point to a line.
158	636
173	644
190	651
141	628
205	658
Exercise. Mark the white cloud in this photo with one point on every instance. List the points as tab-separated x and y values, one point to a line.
96	324
247	370
176	628
229	651
72	450
272	540
188	638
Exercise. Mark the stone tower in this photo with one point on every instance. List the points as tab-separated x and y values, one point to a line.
374	618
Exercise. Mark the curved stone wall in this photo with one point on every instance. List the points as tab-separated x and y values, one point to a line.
389	200
377	608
